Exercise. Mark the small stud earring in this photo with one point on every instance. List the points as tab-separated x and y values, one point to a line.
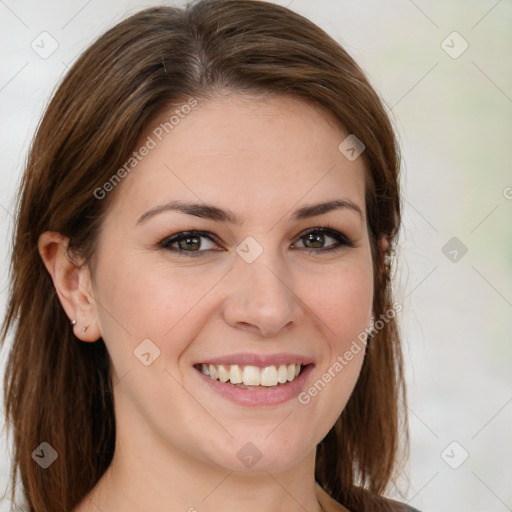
73	322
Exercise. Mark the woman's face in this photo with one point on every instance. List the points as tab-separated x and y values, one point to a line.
259	292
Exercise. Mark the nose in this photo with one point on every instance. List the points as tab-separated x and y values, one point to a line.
262	299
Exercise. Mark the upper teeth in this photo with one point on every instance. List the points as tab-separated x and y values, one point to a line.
252	375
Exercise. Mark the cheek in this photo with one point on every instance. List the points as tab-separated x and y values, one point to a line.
344	301
344	308
152	300
140	298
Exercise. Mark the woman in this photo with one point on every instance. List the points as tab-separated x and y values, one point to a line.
196	174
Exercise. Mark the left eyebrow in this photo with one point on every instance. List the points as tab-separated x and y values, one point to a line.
212	212
321	208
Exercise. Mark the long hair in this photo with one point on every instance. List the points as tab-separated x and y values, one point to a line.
57	389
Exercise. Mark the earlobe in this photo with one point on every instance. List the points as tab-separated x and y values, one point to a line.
72	283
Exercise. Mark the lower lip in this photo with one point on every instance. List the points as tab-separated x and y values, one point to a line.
259	396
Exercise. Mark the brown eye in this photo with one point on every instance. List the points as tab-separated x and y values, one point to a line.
316	238
191	243
188	241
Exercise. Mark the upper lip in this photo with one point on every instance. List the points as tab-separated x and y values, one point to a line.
262	360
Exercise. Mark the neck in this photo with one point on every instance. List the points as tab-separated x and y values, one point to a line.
151	476
207	491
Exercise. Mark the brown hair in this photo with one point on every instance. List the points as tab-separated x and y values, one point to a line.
58	389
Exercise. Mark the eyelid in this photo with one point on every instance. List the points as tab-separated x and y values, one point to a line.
167	241
340	237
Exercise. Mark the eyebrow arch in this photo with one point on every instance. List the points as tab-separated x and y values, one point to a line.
320	208
211	212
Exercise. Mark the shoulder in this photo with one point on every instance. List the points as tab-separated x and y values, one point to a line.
328	504
386	505
408	508
366	502
374	503
400	507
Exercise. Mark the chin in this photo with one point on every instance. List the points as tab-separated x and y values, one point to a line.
253	454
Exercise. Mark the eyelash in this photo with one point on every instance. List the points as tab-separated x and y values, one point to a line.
342	240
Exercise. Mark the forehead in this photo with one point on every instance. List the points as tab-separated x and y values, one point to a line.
255	155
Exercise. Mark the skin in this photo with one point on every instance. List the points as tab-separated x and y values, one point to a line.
261	158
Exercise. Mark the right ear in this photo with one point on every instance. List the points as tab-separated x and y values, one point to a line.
72	283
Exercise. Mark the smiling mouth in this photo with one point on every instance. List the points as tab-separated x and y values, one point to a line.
252	377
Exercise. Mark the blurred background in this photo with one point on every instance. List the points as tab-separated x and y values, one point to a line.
443	69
